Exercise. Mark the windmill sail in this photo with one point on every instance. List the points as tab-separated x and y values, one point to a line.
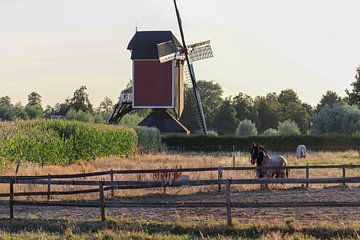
203	126
167	51
200	51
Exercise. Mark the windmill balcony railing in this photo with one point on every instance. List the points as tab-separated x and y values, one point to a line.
126	97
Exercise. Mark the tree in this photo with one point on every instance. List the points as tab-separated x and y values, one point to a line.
225	119
6	101
244	107
288	128
128	88
34	109
246	128
354	94
105	106
268	111
329	98
80	101
34	99
33	112
7	111
339	118
293	109
211	101
20	112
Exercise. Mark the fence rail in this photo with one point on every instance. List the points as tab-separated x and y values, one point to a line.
112	185
182	170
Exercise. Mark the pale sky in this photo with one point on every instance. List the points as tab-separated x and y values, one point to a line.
55	46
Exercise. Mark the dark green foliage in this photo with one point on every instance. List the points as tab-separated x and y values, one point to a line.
268	112
80	101
58	142
244	107
225	119
274	143
329	98
353	96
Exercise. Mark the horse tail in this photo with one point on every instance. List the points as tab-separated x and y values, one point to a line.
287	173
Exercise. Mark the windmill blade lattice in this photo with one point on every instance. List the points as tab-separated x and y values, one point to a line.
167	51
198	53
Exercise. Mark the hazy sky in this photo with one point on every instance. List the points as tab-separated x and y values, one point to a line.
55	46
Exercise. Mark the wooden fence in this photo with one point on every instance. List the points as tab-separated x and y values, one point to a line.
111	185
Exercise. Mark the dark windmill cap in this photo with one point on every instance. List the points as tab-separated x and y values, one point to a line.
143	45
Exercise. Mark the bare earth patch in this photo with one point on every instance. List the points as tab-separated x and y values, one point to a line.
305	216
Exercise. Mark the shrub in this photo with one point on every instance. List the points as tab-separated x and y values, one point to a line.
212	133
246	128
270	132
57	142
148	138
79	116
288	128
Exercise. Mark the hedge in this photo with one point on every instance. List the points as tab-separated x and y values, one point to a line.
58	142
274	143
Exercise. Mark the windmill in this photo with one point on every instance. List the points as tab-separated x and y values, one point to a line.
158	71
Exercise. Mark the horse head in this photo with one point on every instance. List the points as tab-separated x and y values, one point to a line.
257	154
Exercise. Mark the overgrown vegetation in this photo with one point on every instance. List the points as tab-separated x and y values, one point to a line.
59	142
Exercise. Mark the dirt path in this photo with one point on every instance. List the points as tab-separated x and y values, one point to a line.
304	215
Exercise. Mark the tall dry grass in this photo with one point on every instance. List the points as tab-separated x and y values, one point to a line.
173	160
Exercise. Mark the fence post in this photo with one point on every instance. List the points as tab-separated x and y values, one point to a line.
220	176
228	203
344	174
307	175
102	201
11	200
233	156
112	183
48	188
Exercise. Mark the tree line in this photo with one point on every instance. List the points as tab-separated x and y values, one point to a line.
273	114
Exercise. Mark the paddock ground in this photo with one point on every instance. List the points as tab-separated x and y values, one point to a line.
305	216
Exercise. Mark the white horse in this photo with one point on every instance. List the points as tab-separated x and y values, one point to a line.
301	151
264	161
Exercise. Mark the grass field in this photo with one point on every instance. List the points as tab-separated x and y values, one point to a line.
184	160
124	229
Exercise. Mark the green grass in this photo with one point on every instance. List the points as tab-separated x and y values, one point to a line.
124	229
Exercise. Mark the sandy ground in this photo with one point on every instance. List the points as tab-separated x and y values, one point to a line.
303	215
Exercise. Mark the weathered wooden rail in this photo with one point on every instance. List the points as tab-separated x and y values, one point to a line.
102	186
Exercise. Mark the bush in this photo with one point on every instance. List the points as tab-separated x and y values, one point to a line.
212	133
79	116
288	128
57	142
148	138
246	128
270	132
